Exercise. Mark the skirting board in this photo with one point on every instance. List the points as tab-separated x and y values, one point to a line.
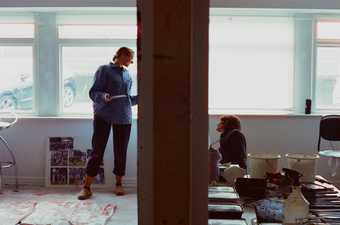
130	183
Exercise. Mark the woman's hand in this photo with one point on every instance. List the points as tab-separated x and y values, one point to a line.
107	97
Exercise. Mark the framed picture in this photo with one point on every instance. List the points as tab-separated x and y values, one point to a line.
66	162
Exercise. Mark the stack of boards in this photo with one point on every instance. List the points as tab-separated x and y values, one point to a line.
324	200
224	206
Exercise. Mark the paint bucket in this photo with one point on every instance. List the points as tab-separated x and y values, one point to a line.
261	163
303	163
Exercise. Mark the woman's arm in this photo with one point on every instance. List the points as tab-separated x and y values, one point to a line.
97	91
238	149
133	98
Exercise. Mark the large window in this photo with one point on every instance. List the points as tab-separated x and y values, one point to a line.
16	67
260	61
84	46
251	63
78	67
328	65
48	59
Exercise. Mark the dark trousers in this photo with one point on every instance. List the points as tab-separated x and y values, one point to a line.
101	133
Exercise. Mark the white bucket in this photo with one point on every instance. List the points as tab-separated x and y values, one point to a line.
303	163
261	163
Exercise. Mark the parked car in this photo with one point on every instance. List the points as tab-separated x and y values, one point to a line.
17	95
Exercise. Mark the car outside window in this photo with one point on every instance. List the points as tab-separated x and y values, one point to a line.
16	80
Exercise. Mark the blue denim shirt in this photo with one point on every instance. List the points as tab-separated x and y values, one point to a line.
113	80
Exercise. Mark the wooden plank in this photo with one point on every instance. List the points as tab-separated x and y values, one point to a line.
173	112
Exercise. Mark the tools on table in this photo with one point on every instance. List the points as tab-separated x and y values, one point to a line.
324	199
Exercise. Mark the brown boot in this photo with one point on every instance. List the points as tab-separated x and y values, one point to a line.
119	190
85	193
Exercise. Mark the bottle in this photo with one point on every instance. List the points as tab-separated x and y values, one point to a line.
295	207
308	106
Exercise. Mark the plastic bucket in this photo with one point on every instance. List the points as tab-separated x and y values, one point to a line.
261	163
303	163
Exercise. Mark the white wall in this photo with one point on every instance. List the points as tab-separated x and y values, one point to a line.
276	134
29	141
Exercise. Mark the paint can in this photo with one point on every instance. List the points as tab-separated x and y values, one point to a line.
304	163
261	163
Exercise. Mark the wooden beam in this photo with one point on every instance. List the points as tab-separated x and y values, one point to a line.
173	112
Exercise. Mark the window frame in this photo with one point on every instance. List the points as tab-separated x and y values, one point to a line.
323	43
25	42
292	109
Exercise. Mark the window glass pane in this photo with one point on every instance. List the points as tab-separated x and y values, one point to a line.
16	30
78	67
126	31
251	63
328	30
16	80
328	78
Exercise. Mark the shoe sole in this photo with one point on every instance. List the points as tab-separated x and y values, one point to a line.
84	197
120	194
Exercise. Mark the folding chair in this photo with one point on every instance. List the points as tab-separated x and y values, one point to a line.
330	132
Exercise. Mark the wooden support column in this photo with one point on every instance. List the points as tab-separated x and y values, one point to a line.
173	112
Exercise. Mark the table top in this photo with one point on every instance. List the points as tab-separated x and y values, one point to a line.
249	213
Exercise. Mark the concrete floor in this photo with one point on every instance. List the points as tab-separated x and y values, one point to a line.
12	202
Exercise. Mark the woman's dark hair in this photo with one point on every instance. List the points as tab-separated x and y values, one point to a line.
123	51
231	122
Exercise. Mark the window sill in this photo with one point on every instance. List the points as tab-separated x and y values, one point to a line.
212	114
260	113
63	117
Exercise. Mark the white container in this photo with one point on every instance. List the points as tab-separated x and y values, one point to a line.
232	172
303	163
296	207
261	163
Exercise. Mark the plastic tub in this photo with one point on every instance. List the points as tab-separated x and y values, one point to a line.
261	163
303	163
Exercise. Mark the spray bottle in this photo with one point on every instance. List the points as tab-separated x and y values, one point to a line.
296	207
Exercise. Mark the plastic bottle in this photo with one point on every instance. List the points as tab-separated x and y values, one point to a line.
296	207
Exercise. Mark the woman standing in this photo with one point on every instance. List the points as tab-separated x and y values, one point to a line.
112	103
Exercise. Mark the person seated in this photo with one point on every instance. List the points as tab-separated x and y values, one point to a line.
232	141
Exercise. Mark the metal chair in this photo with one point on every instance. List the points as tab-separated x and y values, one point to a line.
330	132
7	120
